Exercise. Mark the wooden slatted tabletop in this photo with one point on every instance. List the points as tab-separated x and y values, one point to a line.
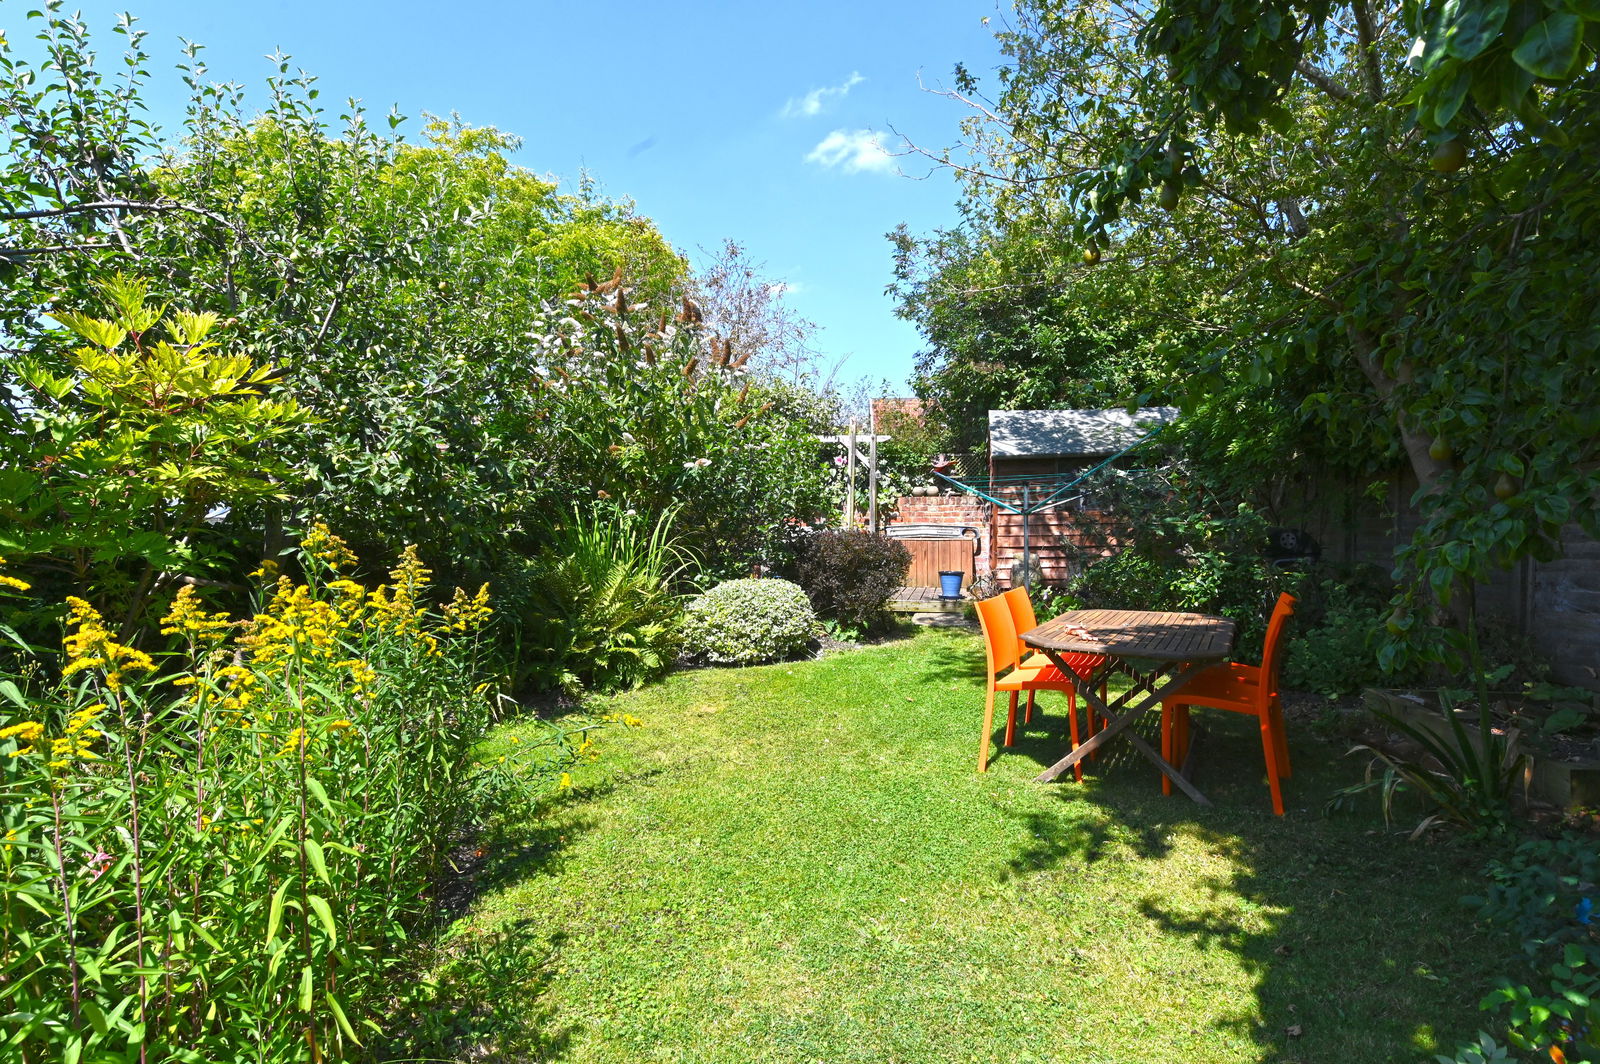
1136	634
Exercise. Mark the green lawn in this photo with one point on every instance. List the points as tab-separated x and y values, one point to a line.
800	863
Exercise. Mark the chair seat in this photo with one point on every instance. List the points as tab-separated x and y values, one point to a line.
1226	686
1043	678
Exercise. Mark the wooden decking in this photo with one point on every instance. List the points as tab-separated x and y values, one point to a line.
924	600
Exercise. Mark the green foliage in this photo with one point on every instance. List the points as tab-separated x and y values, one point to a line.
746	622
1160	541
647	410
227	856
1338	623
1485	1051
1008	325
849	576
602	611
1325	300
1544	894
114	453
1468	777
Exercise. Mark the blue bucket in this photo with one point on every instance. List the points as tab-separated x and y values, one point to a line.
950	584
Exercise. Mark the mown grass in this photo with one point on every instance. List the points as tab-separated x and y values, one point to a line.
799	863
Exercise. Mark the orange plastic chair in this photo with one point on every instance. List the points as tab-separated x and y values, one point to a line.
1005	673
1242	689
1023	618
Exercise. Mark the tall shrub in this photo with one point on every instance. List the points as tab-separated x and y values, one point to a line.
849	576
122	447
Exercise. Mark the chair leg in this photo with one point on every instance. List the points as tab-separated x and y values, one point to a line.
1174	739
1011	721
1269	746
1072	730
1166	745
1284	770
988	731
1027	716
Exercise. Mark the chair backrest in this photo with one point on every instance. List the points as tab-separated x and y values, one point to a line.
1272	651
1022	616
999	633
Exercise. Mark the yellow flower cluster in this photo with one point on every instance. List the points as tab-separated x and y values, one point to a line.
399	610
13	582
92	647
332	551
464	614
28	733
71	745
238	687
187	619
362	676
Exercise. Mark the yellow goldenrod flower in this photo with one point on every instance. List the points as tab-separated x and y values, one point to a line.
13	582
92	647
565	783
186	618
321	544
28	733
465	614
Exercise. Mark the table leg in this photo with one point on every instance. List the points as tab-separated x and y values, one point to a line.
1121	723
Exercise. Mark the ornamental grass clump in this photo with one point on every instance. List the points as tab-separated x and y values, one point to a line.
223	852
746	622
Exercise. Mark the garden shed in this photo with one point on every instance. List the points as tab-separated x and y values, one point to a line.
1033	453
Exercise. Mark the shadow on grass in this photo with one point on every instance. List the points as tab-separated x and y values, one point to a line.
485	1002
1352	934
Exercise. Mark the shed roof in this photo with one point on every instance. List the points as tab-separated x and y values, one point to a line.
1071	433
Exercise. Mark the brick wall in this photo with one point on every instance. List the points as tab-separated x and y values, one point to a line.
942	510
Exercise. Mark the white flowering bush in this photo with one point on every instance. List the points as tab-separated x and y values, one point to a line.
746	622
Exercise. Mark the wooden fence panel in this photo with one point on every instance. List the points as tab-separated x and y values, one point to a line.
931	557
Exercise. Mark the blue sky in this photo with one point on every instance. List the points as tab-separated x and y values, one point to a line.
749	121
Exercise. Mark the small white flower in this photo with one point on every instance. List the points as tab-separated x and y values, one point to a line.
633	513
688	465
627	437
702	462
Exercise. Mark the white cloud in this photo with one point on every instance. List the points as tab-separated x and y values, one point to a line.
853	151
813	102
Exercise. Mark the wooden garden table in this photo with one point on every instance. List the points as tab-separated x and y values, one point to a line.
1158	651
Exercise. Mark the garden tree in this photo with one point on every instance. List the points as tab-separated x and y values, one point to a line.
750	310
391	283
112	467
1288	168
650	410
1006	327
